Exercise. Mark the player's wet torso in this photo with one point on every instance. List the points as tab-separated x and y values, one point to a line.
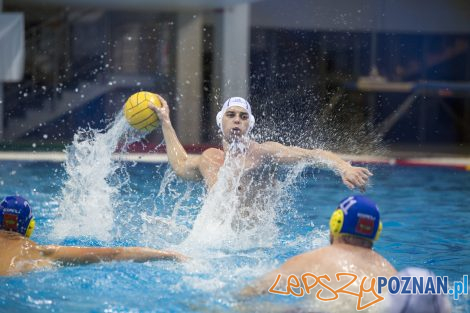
252	177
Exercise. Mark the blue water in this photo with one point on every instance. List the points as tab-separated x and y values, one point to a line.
425	212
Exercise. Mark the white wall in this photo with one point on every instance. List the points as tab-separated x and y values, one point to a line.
437	16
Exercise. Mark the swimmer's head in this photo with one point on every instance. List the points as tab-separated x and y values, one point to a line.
356	216
232	107
16	215
418	303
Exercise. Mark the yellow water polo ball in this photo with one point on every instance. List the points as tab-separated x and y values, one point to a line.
137	111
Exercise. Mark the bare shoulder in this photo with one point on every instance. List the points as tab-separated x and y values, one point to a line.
269	147
213	154
385	266
306	258
213	151
20	255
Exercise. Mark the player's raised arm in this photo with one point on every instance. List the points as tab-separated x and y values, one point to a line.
184	165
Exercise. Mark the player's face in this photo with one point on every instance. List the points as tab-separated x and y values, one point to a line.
235	122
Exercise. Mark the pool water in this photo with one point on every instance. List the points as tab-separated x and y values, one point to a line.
425	212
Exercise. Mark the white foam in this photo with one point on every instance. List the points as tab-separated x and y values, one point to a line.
87	199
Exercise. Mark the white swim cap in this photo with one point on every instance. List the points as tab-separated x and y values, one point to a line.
418	303
239	102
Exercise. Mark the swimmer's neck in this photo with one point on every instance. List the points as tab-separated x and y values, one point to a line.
10	234
236	147
352	241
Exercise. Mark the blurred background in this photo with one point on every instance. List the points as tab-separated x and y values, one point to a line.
394	71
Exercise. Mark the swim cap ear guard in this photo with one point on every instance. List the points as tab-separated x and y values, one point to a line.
16	215
356	216
235	101
30	229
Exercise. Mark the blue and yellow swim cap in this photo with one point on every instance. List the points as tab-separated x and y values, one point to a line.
16	215
357	216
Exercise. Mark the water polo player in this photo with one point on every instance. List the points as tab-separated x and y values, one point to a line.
235	121
354	227
19	254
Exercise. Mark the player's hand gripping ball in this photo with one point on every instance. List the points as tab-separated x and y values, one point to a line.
138	113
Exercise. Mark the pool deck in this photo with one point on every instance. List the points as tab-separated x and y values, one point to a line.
458	162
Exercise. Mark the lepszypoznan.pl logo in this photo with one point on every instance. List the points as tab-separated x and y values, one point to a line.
299	287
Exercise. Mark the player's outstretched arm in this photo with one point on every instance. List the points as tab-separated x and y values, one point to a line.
85	255
352	176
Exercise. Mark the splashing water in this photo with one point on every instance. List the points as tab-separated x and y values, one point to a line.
238	218
87	200
241	209
239	212
160	227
